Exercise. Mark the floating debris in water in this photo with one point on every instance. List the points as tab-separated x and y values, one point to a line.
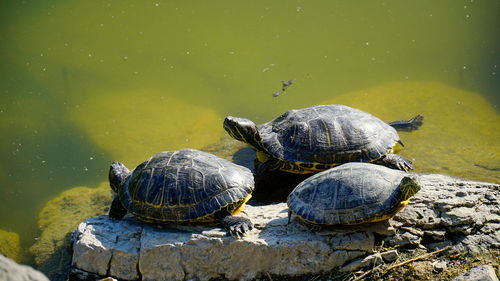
286	84
268	68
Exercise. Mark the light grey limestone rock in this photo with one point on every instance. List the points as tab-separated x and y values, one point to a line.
436	234
106	246
405	239
368	261
12	271
203	251
446	211
480	273
440	266
445	207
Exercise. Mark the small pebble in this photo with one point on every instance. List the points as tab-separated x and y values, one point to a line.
390	256
440	266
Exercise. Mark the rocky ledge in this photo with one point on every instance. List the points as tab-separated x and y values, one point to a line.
446	212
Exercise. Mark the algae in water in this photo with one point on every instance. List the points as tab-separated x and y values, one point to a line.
132	126
10	245
59	218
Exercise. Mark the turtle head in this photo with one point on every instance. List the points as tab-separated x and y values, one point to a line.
117	173
409	187
243	130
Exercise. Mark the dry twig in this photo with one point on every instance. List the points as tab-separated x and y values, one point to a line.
421	257
418	258
366	273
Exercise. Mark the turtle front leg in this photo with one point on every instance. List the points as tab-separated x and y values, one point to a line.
270	165
117	211
407	125
397	161
235	225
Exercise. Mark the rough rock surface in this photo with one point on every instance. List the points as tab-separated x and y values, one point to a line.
447	211
480	273
12	271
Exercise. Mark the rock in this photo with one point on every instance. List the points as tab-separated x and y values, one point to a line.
99	245
390	256
178	252
10	270
470	219
440	266
435	235
480	273
405	239
128	249
368	261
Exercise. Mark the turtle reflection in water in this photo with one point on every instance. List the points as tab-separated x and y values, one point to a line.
352	193
320	137
185	185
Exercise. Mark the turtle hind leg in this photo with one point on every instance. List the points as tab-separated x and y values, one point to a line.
117	211
397	161
236	226
407	125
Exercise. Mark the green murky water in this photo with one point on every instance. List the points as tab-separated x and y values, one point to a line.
84	83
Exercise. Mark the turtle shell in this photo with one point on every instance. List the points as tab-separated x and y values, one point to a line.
327	134
184	185
347	194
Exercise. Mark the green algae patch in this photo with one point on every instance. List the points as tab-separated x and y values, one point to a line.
58	219
461	130
132	126
10	245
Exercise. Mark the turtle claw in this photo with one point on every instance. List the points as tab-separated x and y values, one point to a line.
398	162
404	166
237	226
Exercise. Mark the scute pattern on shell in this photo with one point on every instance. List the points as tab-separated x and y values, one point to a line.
328	134
346	193
184	185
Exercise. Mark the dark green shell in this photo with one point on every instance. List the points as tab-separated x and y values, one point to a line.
327	134
352	192
184	185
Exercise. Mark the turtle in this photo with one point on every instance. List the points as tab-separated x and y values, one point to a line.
185	185
352	193
319	137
